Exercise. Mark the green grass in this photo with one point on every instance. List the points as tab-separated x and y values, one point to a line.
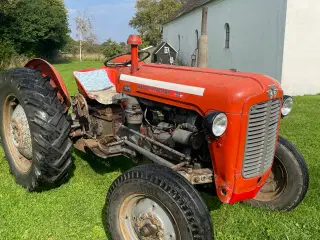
74	210
66	69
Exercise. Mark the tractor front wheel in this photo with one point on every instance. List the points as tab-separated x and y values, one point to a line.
34	130
288	181
154	202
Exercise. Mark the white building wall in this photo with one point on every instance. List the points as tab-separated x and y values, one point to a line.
184	27
256	40
301	62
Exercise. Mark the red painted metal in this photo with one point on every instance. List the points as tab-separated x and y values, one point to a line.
244	196
227	91
55	79
134	41
230	92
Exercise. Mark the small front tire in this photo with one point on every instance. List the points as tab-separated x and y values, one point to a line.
154	202
288	181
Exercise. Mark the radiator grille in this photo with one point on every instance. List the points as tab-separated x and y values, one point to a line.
261	138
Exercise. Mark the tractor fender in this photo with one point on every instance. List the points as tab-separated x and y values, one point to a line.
48	70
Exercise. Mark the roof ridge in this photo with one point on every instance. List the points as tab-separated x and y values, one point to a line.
188	6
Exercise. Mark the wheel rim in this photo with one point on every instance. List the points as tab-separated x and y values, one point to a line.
142	217
17	133
275	184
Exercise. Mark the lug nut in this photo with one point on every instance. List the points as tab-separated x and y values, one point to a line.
196	179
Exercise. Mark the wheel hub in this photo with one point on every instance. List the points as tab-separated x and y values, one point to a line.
142	218
275	183
149	230
20	132
148	226
270	185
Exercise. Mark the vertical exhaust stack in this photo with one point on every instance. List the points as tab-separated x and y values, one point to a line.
134	41
203	41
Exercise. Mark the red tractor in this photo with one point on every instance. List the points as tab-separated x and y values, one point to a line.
197	127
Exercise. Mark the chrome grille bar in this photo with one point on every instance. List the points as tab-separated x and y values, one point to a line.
261	138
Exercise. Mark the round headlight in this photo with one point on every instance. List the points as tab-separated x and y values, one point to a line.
287	105
219	124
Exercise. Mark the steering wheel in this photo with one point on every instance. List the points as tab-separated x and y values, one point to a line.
107	62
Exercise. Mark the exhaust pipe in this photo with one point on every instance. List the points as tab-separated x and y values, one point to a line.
134	41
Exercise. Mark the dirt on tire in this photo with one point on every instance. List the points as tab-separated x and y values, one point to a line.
51	162
193	219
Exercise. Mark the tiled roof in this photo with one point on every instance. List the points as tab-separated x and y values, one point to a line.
188	7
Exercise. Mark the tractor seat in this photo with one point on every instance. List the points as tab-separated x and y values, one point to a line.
96	84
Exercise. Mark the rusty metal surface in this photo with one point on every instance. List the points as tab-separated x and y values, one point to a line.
20	132
80	106
94	120
179	166
141	217
77	133
171	150
104	149
198	176
17	133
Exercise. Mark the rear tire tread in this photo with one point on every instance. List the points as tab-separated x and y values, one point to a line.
49	126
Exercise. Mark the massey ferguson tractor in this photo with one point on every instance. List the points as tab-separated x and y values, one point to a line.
196	126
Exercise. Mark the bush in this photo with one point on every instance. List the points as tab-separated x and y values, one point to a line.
7	53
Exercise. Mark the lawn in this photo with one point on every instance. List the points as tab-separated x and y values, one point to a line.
74	210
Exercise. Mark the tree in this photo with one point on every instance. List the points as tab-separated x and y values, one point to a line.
150	16
6	45
112	48
125	47
85	31
37	27
6	5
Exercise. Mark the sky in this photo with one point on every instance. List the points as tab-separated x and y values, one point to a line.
110	18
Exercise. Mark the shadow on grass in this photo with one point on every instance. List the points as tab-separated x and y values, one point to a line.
103	166
209	195
213	203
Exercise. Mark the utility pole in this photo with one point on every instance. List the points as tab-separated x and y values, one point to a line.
80	48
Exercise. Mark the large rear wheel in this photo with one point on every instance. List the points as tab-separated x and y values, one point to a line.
34	130
154	202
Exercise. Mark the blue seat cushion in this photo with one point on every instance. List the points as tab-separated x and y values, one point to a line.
95	80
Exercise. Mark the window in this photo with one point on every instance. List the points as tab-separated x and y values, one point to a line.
166	50
197	38
227	29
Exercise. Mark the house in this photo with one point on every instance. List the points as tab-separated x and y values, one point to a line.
279	38
164	53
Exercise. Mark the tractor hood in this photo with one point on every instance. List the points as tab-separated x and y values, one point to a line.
200	89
